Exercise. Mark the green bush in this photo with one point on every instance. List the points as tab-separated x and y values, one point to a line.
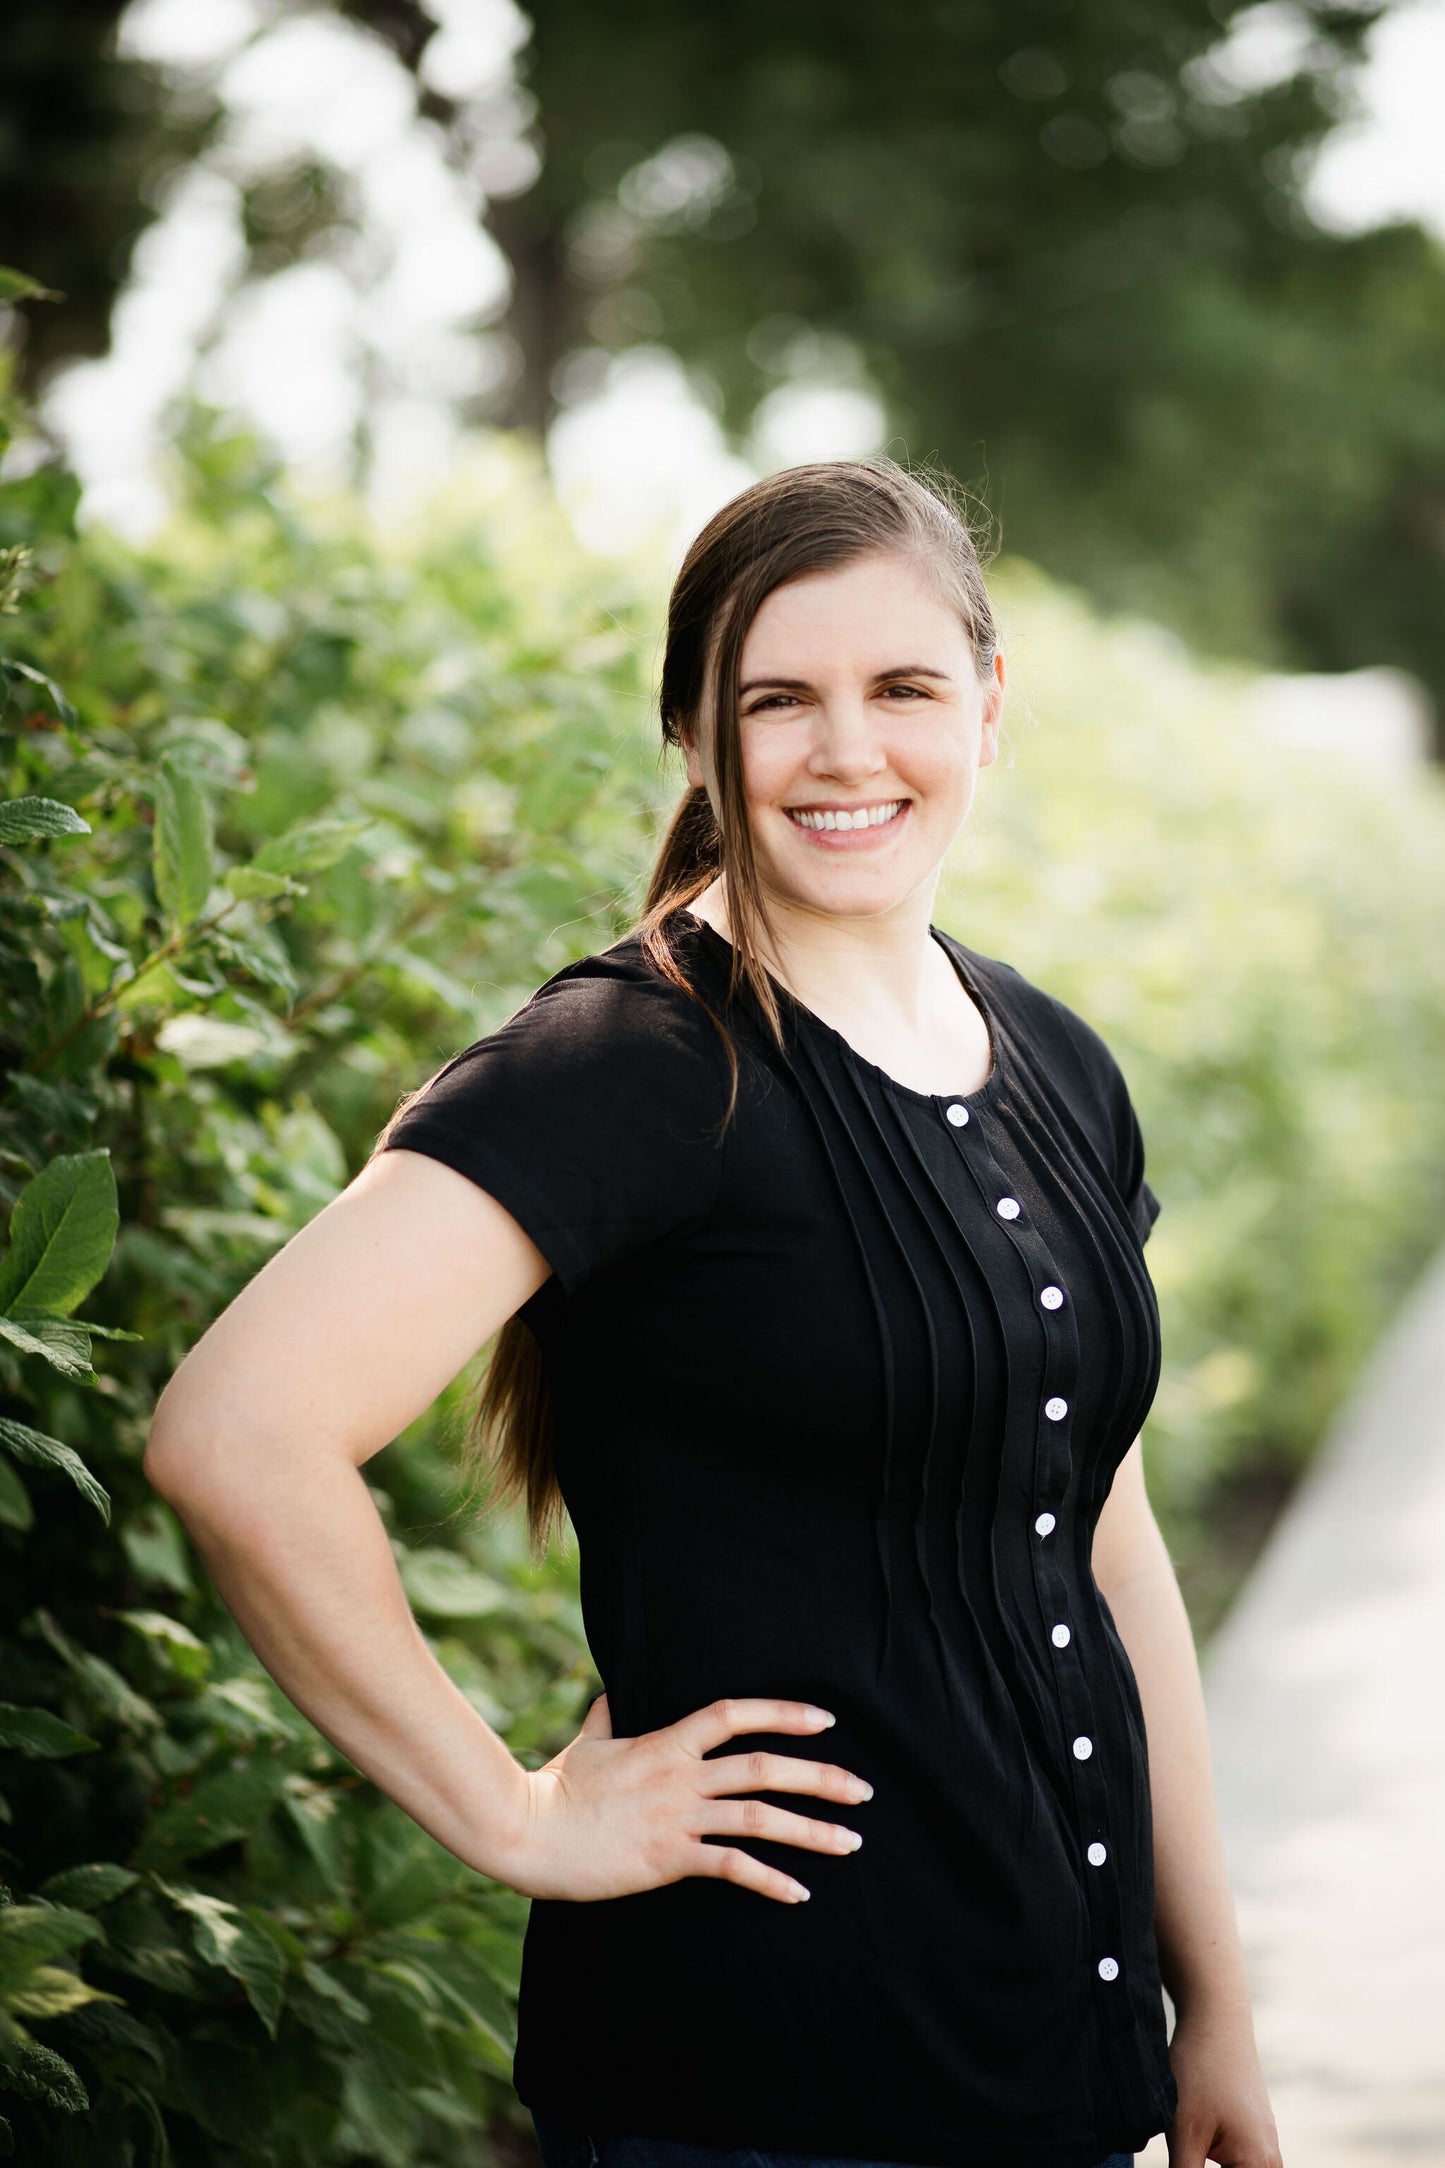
310	812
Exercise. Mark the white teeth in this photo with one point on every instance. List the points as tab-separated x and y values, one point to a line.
873	816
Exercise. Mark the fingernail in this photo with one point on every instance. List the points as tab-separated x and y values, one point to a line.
798	1890
822	1716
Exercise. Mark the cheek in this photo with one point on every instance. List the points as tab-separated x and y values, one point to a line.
937	764
771	760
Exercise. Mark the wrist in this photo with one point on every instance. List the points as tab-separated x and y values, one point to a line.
1221	2006
506	1844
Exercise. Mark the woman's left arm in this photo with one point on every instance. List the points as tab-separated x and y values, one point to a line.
1224	2113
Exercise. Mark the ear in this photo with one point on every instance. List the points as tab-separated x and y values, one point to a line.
693	759
992	712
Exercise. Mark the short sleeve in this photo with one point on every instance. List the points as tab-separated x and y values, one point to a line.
593	1115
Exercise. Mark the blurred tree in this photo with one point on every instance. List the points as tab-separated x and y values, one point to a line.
85	138
1065	246
1064	243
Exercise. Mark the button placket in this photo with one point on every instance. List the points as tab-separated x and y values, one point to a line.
1052	1462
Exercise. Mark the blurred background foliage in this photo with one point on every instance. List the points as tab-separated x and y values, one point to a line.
300	797
1063	243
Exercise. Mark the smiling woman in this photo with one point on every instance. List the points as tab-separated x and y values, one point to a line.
812	1241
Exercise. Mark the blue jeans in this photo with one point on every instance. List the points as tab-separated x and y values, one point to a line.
575	2149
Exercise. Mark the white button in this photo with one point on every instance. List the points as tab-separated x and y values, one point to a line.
1056	1409
1108	1968
1052	1298
1008	1208
1098	1853
1044	1523
1083	1748
958	1116
1061	1637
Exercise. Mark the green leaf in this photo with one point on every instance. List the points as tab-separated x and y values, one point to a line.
379	2119
155	1545
38	2073
261	954
87	1888
183	856
52	1991
310	847
249	883
112	1696
63	1341
16	1511
441	1584
327	1985
43	1452
19	286
62	1233
405	1871
224	1936
186	1653
112	2025
263	1709
17	677
36	1732
462	1976
21	819
219	1810
316	1812
31	1935
154	2150
402	2008
141	1940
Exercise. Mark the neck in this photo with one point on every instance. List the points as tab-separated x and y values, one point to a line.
885	965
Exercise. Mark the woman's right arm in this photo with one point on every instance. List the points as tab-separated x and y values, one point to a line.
340	1341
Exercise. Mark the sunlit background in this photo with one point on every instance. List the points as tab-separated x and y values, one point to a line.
376	332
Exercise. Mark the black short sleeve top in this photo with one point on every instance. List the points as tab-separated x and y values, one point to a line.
840	1389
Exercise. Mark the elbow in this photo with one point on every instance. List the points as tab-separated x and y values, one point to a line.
177	1452
161	1464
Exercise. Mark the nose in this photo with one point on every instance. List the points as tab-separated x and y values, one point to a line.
846	741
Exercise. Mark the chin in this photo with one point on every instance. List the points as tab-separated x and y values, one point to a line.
848	894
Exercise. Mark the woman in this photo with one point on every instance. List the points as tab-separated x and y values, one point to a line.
812	1239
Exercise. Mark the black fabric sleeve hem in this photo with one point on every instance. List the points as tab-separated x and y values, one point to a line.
494	1172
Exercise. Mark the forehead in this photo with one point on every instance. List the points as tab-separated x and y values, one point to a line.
877	612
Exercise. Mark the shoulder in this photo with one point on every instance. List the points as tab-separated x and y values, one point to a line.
1070	1072
1055	1037
591	1114
608	1030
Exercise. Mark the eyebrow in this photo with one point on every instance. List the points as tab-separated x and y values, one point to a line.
800	685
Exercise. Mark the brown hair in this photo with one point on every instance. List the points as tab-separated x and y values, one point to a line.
803	520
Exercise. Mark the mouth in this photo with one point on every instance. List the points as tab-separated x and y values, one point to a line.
844	820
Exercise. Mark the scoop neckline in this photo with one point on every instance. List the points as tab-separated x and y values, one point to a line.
969	982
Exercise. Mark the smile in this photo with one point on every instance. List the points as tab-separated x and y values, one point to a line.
863	816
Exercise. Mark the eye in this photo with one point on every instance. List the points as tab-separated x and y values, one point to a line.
773	700
914	691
